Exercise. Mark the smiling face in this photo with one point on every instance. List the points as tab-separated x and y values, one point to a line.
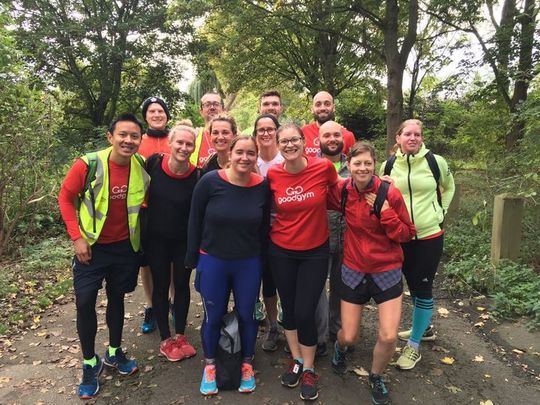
265	131
323	107
362	167
410	138
271	105
291	143
210	106
156	117
243	156
221	135
182	144
330	138
125	140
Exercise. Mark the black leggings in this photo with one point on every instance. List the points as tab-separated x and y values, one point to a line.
268	285
422	258
161	254
300	277
87	319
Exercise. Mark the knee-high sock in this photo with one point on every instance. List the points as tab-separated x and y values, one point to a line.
422	312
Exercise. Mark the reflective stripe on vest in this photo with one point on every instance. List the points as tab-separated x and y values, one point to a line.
194	159
95	202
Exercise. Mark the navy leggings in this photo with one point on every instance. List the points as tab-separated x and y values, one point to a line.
215	279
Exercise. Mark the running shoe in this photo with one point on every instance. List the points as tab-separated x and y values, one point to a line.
291	377
185	346
339	361
270	340
208	382
247	383
120	362
149	321
171	350
308	386
89	386
379	393
428	336
408	359
259	314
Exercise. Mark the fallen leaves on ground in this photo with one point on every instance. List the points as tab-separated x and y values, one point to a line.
448	360
360	371
478	359
443	312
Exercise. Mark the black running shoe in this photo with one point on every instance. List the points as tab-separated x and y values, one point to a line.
291	377
308	386
339	361
379	393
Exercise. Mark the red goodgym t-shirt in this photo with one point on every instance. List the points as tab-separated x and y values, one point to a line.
299	201
151	145
311	133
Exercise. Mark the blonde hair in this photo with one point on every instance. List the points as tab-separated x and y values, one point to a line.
179	128
185	121
409	122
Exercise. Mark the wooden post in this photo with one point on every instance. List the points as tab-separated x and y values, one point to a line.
506	231
452	213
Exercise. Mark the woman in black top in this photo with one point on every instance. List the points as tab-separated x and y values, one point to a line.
165	240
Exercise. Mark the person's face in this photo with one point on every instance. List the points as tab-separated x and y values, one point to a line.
291	144
330	139
221	135
265	132
182	145
410	140
210	106
271	105
125	139
156	116
323	107
243	156
362	167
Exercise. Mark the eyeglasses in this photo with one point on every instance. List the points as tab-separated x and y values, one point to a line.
262	131
209	104
294	140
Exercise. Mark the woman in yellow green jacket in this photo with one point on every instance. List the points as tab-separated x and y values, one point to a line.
427	186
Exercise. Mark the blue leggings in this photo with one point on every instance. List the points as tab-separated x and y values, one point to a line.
214	280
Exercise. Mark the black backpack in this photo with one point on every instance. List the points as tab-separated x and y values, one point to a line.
379	199
433	166
229	353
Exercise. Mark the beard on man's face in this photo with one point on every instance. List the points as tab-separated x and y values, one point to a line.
331	152
322	119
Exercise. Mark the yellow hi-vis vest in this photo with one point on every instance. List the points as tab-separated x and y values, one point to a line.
94	203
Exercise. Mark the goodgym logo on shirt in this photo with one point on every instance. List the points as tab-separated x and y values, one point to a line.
295	194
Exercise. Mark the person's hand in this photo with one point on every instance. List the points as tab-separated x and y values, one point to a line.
370	199
83	251
387	179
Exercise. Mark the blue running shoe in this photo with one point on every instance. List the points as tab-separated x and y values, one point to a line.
208	382
89	386
149	322
120	362
379	393
247	383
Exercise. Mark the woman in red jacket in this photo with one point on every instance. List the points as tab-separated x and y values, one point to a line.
372	262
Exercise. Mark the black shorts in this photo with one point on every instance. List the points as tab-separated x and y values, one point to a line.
368	289
116	263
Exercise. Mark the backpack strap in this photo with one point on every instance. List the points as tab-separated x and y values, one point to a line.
389	165
91	171
434	167
379	199
344	194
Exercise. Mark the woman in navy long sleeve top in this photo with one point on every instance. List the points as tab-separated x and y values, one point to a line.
228	228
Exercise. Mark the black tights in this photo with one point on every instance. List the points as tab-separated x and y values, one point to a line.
87	320
161	254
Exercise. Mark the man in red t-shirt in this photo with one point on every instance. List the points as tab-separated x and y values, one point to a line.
211	106
101	213
323	109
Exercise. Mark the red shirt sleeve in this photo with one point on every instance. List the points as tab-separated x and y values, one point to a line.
334	195
395	220
348	140
72	186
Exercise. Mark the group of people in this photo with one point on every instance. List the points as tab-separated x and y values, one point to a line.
285	206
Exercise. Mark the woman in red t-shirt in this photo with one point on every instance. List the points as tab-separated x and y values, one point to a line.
298	253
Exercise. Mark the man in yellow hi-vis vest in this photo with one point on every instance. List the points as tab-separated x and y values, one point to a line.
211	106
100	200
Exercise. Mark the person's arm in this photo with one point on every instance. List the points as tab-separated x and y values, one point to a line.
199	201
446	183
72	186
333	198
395	218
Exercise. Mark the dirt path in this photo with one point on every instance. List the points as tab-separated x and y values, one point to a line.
43	366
